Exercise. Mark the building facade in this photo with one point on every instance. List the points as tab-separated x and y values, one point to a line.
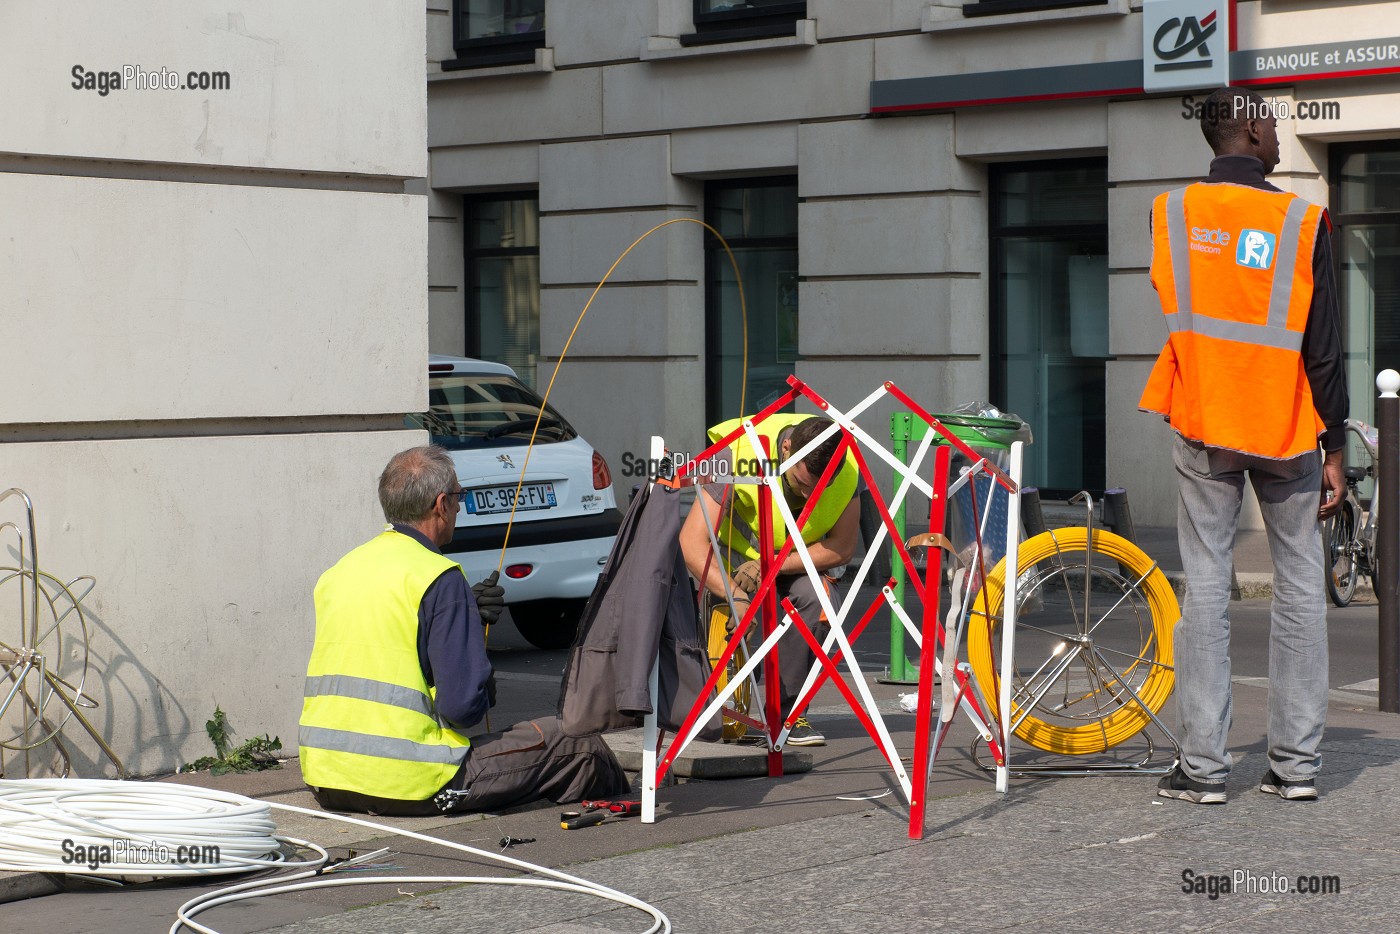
952	195
211	289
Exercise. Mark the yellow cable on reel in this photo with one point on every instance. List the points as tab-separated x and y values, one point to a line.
1128	719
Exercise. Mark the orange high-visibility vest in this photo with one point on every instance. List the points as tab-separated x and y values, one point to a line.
1232	266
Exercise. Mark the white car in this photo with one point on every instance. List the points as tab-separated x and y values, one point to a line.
567	517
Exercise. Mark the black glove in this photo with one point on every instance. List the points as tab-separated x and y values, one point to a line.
491	690
490	598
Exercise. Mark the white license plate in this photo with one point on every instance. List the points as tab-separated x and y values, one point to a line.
486	500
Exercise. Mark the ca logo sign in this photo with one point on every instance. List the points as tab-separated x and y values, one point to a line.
1256	249
1191	35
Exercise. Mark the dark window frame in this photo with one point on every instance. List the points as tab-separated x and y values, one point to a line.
714	255
1337	154
996	330
470	252
768	21
1000	7
489	51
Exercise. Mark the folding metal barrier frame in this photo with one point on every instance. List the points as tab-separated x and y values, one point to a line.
961	691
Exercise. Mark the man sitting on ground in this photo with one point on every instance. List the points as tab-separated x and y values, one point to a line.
399	673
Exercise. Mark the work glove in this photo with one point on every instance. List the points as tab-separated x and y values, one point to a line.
741	606
490	598
747	576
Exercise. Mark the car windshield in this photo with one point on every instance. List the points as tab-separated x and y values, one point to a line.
487	410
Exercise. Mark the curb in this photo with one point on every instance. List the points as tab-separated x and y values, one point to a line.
1252	585
16	886
709	761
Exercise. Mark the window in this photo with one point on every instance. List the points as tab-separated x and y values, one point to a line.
758	218
503	281
1366	216
478	410
495	32
737	20
995	7
1049	265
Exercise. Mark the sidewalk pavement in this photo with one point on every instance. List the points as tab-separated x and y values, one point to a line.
829	851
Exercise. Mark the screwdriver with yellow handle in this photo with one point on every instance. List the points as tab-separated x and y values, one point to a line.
573	820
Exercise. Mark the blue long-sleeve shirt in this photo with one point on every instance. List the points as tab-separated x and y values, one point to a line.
452	645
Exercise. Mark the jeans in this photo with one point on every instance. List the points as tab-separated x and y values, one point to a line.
1211	485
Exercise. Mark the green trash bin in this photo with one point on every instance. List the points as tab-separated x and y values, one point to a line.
984	434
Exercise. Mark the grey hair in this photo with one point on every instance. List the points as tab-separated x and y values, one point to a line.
412	480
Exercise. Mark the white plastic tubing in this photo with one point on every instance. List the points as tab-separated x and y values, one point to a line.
115	828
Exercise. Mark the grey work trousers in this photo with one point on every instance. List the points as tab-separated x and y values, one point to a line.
531	760
1211	486
795	657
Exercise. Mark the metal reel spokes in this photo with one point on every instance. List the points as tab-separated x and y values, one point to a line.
1093	641
43	657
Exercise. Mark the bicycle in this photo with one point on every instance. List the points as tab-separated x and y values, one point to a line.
1348	541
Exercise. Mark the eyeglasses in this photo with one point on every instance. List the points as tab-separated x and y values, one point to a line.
459	495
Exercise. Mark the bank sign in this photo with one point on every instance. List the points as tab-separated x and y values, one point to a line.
1185	44
1184	49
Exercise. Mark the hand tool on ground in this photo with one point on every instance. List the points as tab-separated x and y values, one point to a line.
573	820
623	808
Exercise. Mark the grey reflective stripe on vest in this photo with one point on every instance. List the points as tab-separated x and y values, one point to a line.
1180	252
1275	332
385	747
1264	336
380	692
1286	259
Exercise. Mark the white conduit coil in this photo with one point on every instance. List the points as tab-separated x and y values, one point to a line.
168	830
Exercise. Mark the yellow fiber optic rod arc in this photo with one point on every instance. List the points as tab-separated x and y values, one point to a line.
743	372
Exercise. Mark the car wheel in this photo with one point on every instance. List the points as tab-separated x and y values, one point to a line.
548	624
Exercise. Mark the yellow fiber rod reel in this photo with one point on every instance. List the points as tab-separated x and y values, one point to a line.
1064	549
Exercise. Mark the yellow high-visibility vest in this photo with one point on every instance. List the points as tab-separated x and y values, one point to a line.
739	539
368	722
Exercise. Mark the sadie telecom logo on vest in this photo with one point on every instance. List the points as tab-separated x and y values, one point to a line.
1184	44
1256	249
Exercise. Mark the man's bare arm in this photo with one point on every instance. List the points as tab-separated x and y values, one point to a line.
695	545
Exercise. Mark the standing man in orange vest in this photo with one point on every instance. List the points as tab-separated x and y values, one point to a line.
1250	379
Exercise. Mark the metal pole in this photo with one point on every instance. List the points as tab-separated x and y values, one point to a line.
1116	514
1388	539
1032	513
899	435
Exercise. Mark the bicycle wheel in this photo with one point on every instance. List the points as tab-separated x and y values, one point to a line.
734	730
1339	558
1094	624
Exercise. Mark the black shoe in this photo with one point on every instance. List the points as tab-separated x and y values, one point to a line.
1177	784
802	734
1301	789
